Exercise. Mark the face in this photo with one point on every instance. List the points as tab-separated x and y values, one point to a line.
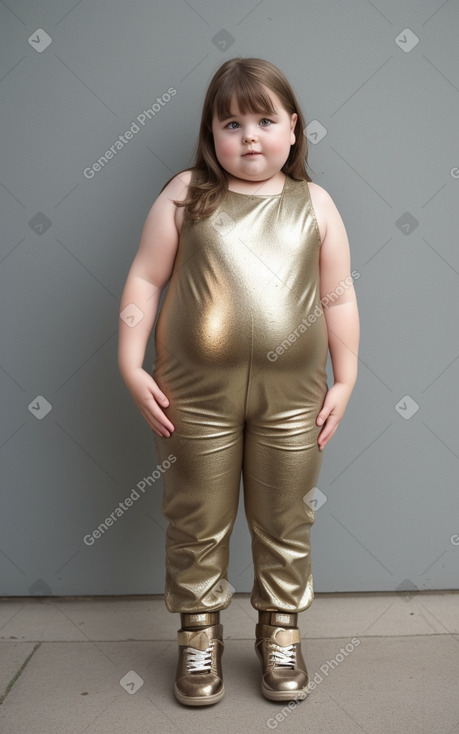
254	146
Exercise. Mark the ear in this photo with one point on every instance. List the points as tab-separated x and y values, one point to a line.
293	120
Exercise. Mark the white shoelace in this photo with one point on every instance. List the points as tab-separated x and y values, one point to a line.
285	656
199	661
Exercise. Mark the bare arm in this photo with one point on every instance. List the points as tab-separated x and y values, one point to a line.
147	277
341	314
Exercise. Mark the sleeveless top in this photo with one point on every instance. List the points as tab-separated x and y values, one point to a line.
245	288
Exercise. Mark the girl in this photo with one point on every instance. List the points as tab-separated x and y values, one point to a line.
257	261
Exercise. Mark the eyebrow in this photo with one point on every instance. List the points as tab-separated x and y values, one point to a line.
270	114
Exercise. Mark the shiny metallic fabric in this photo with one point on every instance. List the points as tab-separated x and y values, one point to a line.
199	679
241	348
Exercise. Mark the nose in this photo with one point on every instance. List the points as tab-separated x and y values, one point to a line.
249	136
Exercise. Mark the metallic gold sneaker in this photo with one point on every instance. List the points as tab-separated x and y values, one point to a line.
285	676
199	680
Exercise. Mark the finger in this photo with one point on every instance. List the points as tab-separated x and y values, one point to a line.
161	432
330	425
326	434
158	421
165	422
159	395
157	414
324	413
165	427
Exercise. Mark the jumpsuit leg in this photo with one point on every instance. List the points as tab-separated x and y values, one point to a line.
281	465
200	500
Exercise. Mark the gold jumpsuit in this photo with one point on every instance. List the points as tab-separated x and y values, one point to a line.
241	348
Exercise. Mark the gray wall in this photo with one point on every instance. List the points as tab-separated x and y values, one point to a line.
389	159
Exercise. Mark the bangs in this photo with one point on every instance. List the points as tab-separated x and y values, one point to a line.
249	94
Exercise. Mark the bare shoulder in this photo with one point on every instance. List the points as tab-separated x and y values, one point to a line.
321	199
320	202
177	189
324	207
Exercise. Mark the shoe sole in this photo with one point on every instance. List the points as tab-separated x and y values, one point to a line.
198	700
284	695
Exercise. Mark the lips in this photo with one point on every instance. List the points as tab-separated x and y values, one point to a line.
251	152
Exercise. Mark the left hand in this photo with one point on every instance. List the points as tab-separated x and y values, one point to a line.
332	412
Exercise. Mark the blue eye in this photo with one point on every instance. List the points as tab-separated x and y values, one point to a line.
265	119
232	123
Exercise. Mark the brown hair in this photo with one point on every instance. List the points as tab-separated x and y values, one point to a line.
243	78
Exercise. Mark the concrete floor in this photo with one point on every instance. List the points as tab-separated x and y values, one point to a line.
381	663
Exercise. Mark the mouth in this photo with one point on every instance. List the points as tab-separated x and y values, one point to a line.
251	152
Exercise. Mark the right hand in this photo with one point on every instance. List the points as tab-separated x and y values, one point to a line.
149	400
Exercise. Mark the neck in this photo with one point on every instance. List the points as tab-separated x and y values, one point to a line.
273	185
